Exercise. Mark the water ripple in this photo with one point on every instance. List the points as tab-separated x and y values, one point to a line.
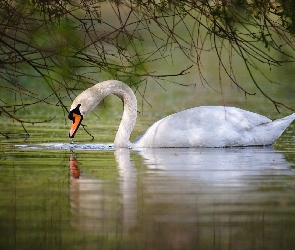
66	146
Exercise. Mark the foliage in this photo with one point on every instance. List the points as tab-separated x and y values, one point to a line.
61	46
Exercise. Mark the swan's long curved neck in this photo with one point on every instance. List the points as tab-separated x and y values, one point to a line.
127	123
125	93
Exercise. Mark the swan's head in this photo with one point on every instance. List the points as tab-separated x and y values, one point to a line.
83	104
76	117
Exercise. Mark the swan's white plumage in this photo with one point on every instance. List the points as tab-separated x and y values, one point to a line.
213	126
207	126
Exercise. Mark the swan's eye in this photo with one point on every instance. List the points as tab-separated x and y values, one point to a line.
71	115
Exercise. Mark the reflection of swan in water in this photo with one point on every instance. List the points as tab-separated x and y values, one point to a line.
210	164
101	207
196	127
212	175
180	193
128	186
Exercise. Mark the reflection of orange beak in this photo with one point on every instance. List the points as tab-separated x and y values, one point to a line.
74	170
76	121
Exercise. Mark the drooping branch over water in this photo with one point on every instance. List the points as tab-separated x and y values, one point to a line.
50	49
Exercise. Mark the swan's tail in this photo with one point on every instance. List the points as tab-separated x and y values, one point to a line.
283	123
269	132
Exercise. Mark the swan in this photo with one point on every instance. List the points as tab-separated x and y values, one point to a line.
204	126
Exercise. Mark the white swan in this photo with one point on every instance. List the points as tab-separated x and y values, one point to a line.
208	126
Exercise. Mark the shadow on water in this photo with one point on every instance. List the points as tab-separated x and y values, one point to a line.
234	198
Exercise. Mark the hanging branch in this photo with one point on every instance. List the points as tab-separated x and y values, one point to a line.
68	45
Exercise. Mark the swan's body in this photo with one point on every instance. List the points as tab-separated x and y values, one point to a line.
207	126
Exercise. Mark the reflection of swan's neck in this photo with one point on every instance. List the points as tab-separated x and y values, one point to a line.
128	98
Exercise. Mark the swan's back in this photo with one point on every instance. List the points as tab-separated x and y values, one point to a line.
213	126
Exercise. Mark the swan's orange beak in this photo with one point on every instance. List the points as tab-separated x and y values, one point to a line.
76	121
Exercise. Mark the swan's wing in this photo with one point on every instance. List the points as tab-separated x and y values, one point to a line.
207	126
238	118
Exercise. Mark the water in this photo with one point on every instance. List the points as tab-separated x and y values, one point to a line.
91	196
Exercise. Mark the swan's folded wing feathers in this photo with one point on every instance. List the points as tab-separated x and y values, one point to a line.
246	120
214	117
